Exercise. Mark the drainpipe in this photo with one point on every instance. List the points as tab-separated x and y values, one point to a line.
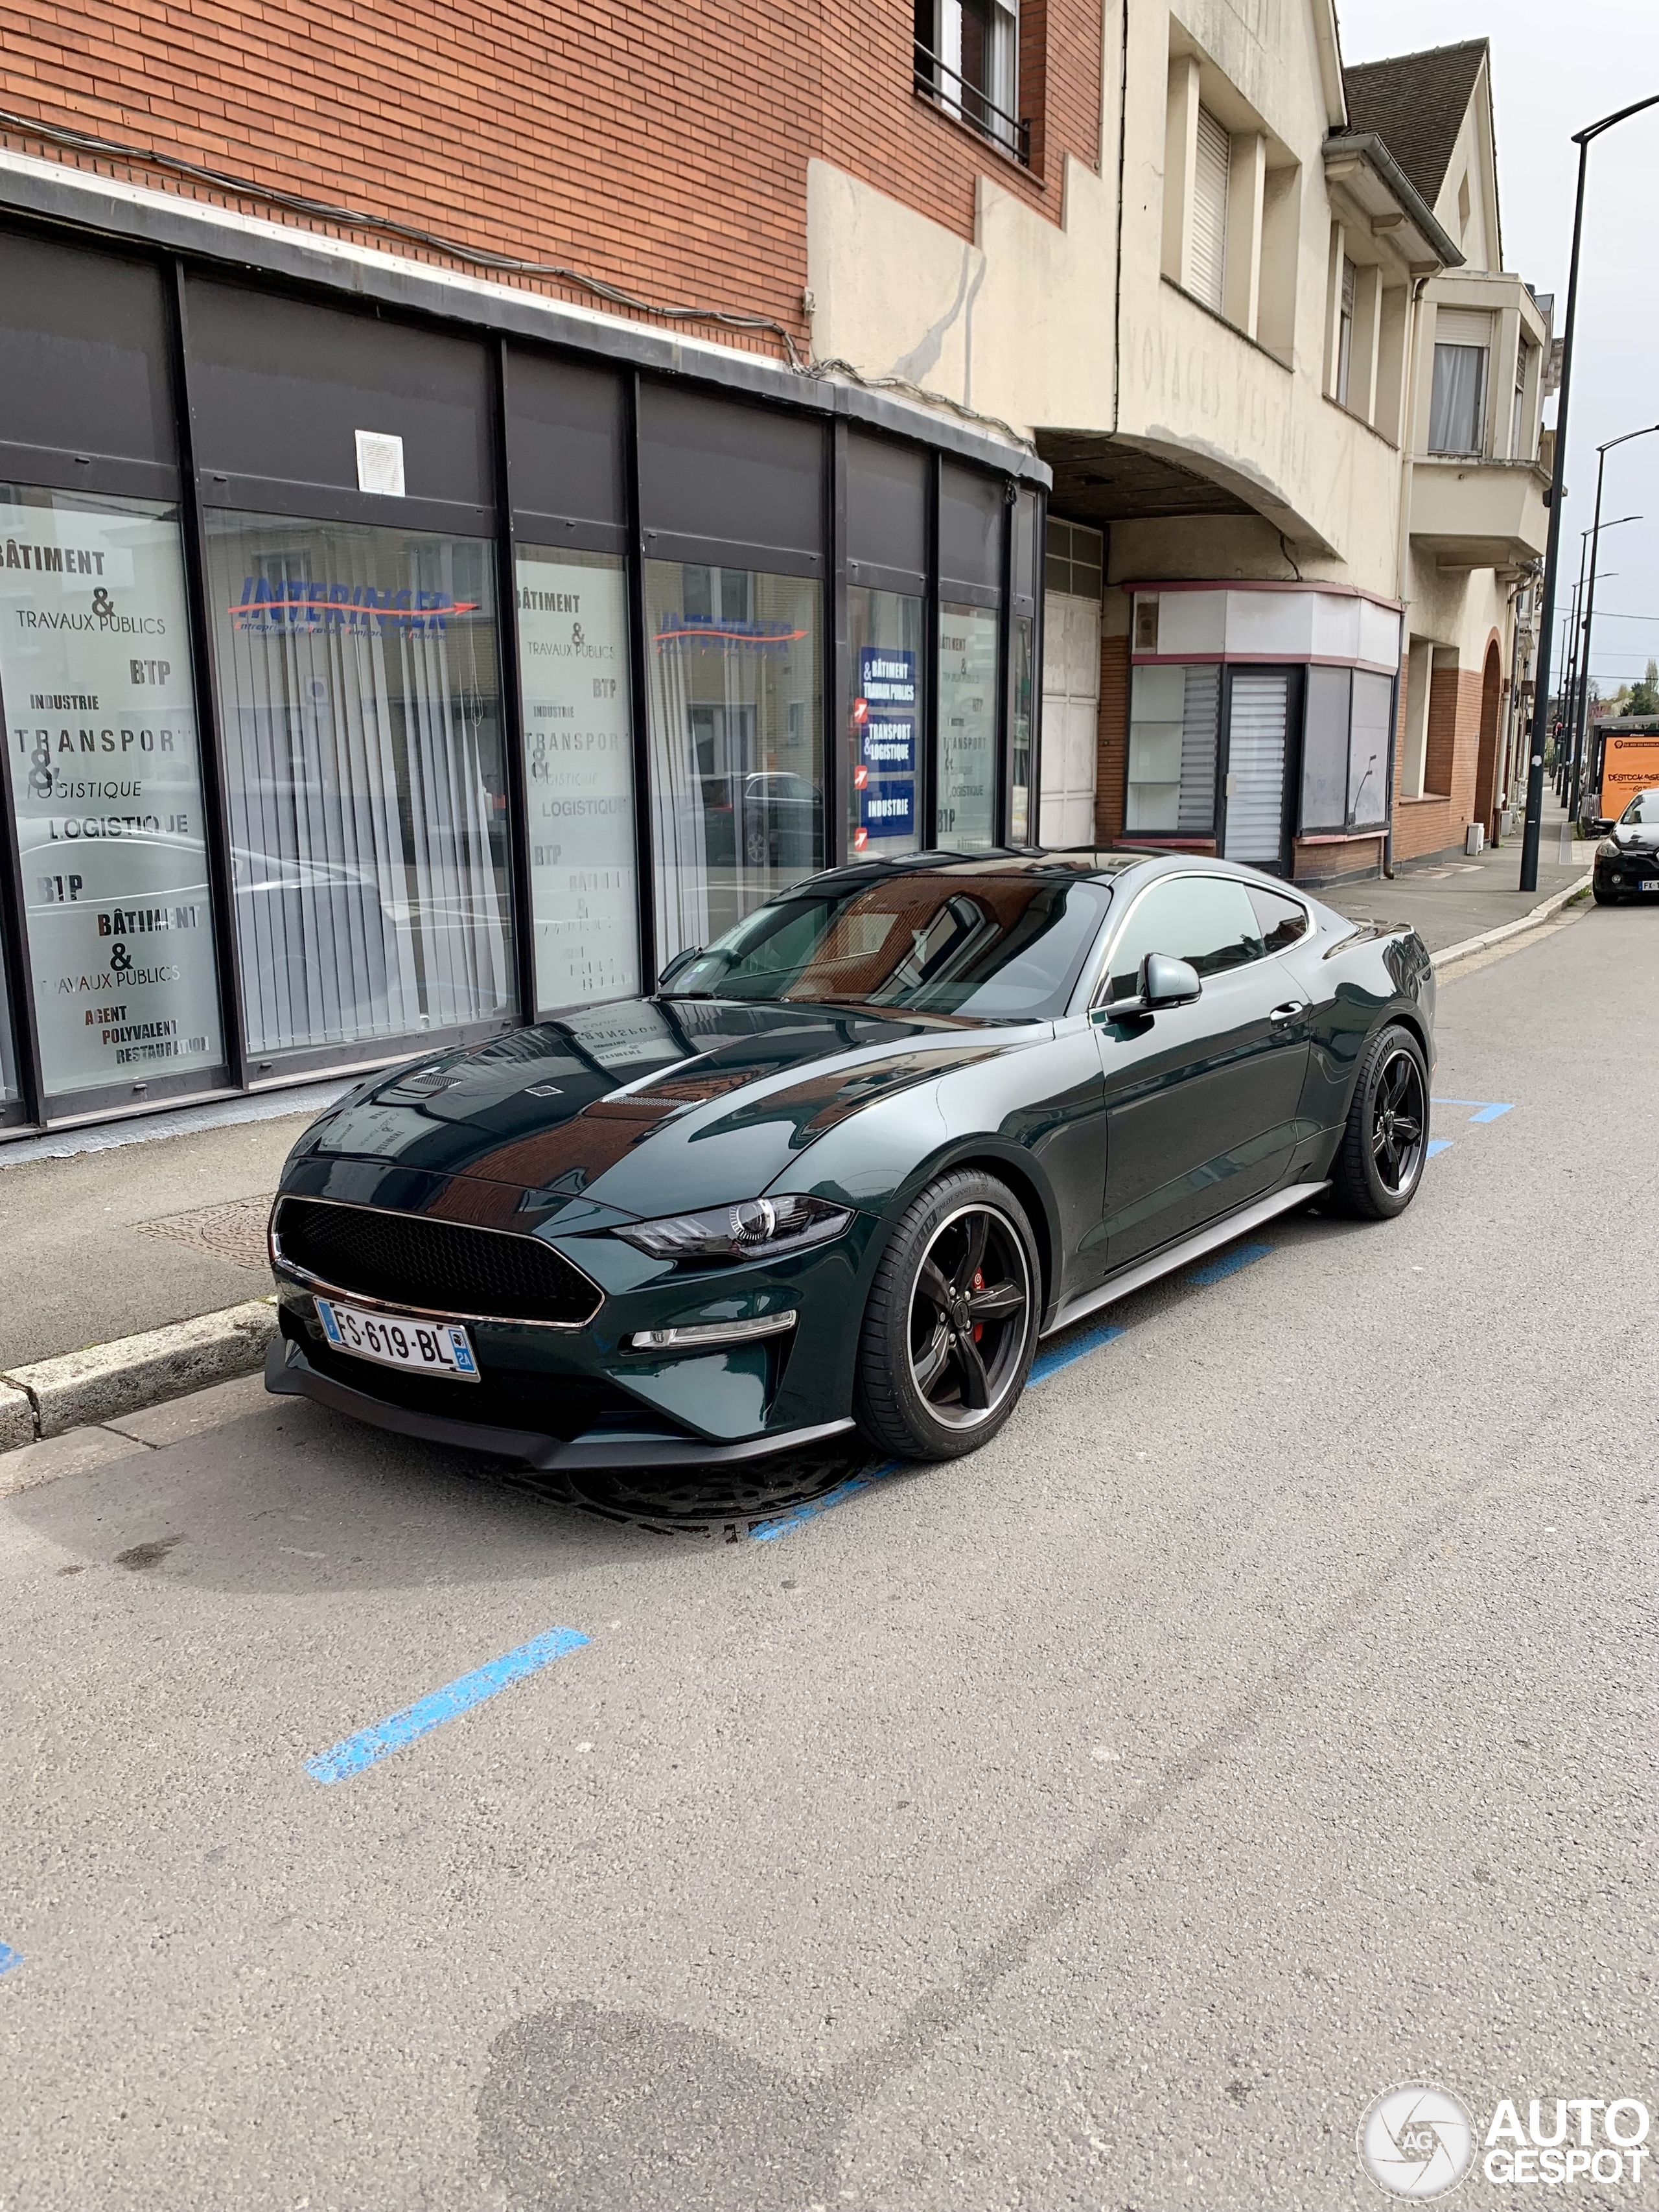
1122	156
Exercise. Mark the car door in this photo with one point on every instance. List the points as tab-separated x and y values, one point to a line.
1201	1100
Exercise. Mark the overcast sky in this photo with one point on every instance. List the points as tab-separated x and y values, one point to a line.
1556	68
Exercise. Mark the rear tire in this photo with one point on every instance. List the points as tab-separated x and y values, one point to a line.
1385	1140
951	1322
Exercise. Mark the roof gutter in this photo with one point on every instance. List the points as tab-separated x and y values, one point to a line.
1366	147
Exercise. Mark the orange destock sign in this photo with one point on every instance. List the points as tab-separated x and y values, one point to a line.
1628	765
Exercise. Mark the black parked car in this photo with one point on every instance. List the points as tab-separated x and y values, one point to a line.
1627	861
851	1163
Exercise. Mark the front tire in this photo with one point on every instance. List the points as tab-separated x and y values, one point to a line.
1385	1140
951	1322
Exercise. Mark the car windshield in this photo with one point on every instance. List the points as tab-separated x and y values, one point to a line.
987	946
1643	808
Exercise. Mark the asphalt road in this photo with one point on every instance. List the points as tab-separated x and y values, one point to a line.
1263	1720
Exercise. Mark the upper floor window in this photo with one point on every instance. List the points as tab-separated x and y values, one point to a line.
1520	442
968	58
1211	178
1345	330
1457	399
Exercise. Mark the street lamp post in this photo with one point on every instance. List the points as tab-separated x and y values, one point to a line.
1541	692
1601	453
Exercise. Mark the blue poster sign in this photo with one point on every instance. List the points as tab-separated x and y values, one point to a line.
887	679
888	747
886	809
885	711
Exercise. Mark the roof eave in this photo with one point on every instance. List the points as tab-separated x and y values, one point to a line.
1353	148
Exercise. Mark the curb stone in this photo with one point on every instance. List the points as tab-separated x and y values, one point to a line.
77	1389
1530	920
16	1418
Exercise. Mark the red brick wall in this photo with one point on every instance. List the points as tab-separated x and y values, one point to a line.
1112	757
659	148
1437	821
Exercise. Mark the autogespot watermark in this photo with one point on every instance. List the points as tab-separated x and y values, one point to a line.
1416	2141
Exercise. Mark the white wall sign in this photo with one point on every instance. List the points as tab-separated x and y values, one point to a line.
380	462
106	782
579	766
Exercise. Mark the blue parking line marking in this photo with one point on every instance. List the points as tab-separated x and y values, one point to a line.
785	1524
1486	1110
9	1957
1438	1145
1078	1347
354	1753
1216	1271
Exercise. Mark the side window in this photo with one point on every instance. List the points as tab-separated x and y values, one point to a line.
1207	919
1281	921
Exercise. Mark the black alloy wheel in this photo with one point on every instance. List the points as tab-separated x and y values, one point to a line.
951	1322
1398	1123
1385	1142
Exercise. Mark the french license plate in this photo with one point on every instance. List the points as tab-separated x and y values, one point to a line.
429	1347
1651	884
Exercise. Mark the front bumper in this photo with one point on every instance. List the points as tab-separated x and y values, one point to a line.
1620	875
609	1444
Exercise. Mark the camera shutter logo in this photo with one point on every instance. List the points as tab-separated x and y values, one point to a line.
1417	2142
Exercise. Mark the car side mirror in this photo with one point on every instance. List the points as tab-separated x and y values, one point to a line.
1167	983
1162	981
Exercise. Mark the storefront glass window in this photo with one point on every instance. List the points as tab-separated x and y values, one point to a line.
1019	735
578	763
967	727
104	776
361	699
884	778
737	742
1174	716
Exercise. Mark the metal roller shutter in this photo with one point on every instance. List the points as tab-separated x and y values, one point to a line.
1210	211
1256	767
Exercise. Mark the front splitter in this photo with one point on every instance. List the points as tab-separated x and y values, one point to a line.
288	1373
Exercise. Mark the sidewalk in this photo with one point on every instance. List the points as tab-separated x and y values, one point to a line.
135	1229
1448	901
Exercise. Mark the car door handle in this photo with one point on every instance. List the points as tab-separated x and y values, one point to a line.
1291	1008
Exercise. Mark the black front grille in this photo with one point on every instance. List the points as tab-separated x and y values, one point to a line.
442	1266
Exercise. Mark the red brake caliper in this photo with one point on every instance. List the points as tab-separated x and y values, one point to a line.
979	1285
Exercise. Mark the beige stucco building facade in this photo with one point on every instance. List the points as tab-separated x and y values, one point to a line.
1277	598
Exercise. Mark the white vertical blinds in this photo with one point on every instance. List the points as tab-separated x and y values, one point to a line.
363	767
1210	181
1255	766
1200	720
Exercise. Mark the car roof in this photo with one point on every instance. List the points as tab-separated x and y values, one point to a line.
1102	863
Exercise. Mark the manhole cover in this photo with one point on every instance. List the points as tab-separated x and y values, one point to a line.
234	1232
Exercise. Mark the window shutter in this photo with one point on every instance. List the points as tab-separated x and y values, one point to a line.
1460	326
1210	211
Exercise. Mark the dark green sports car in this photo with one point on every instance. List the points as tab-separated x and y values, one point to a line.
851	1163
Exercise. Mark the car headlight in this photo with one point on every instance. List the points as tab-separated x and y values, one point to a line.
753	1228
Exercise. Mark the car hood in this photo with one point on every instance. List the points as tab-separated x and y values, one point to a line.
1633	840
647	1107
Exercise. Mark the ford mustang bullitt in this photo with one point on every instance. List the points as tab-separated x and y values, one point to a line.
850	1162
